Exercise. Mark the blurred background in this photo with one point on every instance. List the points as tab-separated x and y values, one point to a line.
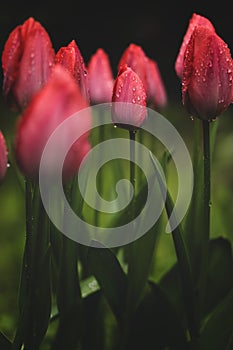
158	27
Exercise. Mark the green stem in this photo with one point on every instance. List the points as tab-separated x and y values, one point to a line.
132	134
206	210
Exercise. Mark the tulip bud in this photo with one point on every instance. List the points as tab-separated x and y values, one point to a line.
3	157
207	75
27	61
156	92
71	58
129	90
101	79
193	22
135	58
58	99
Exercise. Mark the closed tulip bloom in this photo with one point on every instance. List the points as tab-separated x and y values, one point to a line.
27	61
156	92
129	90
207	75
101	79
58	100
135	58
71	58
193	22
3	157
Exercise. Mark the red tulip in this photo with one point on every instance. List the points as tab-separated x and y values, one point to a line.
156	92
135	58
3	157
59	99
207	75
101	79
27	61
71	58
193	22
129	90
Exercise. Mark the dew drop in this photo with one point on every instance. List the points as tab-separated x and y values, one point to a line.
8	165
191	117
133	100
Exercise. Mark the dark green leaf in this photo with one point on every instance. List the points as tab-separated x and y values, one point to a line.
139	265
217	332
5	343
220	272
156	323
107	270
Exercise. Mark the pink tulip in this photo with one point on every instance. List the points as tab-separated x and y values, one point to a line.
207	75
27	61
135	58
71	58
156	92
193	22
58	100
3	157
129	90
101	79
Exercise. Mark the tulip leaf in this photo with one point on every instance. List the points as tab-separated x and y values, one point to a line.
218	330
220	272
104	265
89	286
5	343
139	265
69	299
156	322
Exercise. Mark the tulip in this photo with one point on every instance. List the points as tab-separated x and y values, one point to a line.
207	75
156	92
101	79
71	58
27	61
193	22
135	58
129	90
57	100
3	157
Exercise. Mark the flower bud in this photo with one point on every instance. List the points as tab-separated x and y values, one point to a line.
101	79
58	99
27	61
193	22
156	92
135	58
128	89
207	75
3	157
71	58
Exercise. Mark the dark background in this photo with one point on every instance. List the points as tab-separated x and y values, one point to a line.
157	26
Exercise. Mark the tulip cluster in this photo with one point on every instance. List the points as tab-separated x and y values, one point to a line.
47	87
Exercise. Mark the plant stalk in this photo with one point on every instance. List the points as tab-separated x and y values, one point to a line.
206	210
